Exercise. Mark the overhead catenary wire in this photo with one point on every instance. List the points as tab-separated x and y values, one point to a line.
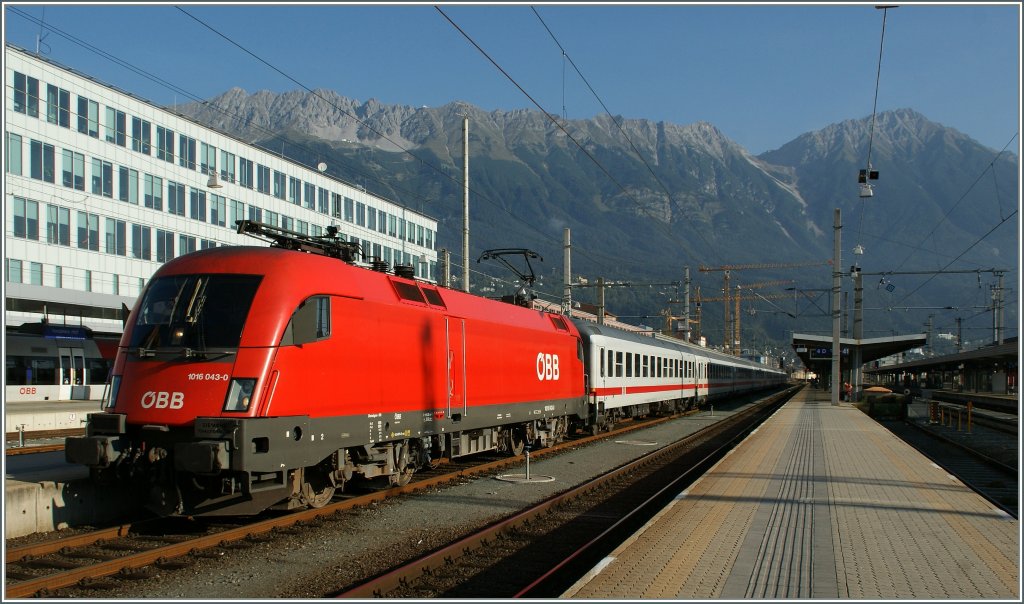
618	125
178	90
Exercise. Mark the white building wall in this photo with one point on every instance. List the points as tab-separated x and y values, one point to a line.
120	275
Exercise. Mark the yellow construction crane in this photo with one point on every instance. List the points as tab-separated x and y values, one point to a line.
730	324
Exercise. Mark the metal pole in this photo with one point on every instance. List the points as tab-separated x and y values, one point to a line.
837	285
600	300
446	268
686	305
567	273
857	377
465	204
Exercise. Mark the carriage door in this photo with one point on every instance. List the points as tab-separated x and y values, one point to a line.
455	337
72	373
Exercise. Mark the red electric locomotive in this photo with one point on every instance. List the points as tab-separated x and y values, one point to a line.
250	378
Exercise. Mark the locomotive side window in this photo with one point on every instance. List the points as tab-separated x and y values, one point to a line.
408	291
310	322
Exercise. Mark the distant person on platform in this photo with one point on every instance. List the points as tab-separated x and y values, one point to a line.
848	391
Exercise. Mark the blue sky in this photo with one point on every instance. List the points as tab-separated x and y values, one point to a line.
763	74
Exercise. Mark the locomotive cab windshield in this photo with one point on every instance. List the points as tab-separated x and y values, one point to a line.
195	314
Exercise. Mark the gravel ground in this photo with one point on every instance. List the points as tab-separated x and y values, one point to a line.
317	559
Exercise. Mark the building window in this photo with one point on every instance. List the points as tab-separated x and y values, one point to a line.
13	270
218	209
152	193
206	244
245	176
164	144
141	242
14	152
419	234
294	190
26	219
26	95
272	218
237	212
41	161
207	158
227	166
141	130
116	128
128	185
262	179
287	223
115	285
309	196
186	244
88	117
382	220
335	205
280	184
175	198
88	281
361	214
102	178
324	200
88	231
35	273
392	225
371	219
58	276
255	214
164	245
58	225
186	152
198	205
58	106
116	237
316	230
430	239
350	209
73	173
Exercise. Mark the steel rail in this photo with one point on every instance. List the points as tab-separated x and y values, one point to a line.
425	565
74	576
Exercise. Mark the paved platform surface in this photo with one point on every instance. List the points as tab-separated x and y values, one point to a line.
820	502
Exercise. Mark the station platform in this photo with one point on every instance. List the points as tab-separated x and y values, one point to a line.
820	502
41	491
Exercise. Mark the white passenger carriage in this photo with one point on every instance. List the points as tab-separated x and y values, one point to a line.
631	374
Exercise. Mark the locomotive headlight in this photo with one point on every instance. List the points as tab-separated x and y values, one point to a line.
240	394
115	385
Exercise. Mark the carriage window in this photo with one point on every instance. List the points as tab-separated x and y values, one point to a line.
602	362
618	364
629	364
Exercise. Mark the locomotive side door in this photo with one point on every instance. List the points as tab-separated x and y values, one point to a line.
455	339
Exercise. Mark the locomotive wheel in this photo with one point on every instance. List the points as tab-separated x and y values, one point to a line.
317	488
516	440
405	468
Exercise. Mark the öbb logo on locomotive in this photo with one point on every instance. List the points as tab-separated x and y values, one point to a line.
163	400
547	366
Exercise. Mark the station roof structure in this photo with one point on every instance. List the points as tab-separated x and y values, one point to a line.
1007	352
816	351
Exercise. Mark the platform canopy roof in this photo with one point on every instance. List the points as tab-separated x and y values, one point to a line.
816	351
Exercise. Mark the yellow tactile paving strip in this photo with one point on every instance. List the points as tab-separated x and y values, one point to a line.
820	502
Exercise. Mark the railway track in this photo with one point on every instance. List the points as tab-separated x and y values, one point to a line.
93	560
517	557
972	460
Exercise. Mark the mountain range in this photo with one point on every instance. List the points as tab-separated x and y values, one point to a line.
645	199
